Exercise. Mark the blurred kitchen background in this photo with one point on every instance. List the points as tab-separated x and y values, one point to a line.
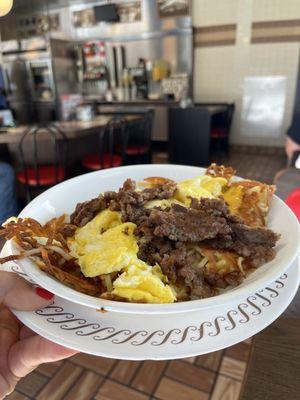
128	54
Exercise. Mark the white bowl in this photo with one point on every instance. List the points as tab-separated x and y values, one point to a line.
63	198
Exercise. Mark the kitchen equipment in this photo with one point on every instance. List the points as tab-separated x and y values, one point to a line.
68	105
41	77
139	75
17	87
115	67
35	78
106	13
6	119
177	85
84	112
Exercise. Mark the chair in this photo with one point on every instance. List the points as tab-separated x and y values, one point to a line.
112	144
220	129
35	174
139	139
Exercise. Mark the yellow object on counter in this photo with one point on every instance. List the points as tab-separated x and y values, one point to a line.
160	70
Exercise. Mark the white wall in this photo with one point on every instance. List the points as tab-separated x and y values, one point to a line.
220	71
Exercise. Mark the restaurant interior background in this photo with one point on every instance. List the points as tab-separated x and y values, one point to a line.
207	80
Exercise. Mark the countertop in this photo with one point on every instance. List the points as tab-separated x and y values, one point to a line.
72	129
136	102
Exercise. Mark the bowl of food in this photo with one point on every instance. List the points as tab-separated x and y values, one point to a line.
154	239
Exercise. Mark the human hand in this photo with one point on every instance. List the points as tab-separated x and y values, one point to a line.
22	350
291	147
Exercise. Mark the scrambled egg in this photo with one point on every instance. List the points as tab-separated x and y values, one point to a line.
104	245
201	186
142	283
102	222
107	245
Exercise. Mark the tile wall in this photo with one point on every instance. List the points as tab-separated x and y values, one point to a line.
266	45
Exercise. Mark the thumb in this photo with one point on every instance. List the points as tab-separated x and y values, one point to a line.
17	293
28	353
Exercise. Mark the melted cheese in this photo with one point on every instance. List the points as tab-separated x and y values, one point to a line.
201	186
233	197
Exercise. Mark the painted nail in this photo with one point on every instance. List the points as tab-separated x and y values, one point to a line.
44	293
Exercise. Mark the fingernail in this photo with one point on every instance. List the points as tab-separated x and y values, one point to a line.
44	293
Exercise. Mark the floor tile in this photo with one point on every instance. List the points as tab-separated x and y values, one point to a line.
169	389
232	368
49	369
100	365
125	370
65	378
17	396
190	360
115	391
191	375
148	376
239	352
31	384
248	341
85	387
226	389
210	361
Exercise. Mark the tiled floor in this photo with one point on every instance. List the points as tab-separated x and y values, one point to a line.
252	164
216	376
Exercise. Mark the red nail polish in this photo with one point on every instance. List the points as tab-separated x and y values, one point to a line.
44	293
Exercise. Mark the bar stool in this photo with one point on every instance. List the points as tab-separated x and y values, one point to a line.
112	143
35	174
139	143
220	129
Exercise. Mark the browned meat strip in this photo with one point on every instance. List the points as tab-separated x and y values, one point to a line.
255	244
85	212
127	200
130	202
68	230
194	279
222	281
207	221
187	224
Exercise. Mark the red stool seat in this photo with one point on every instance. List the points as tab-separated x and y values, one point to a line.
293	201
47	175
136	150
218	133
92	161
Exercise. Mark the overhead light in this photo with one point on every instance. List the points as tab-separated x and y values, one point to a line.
5	7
